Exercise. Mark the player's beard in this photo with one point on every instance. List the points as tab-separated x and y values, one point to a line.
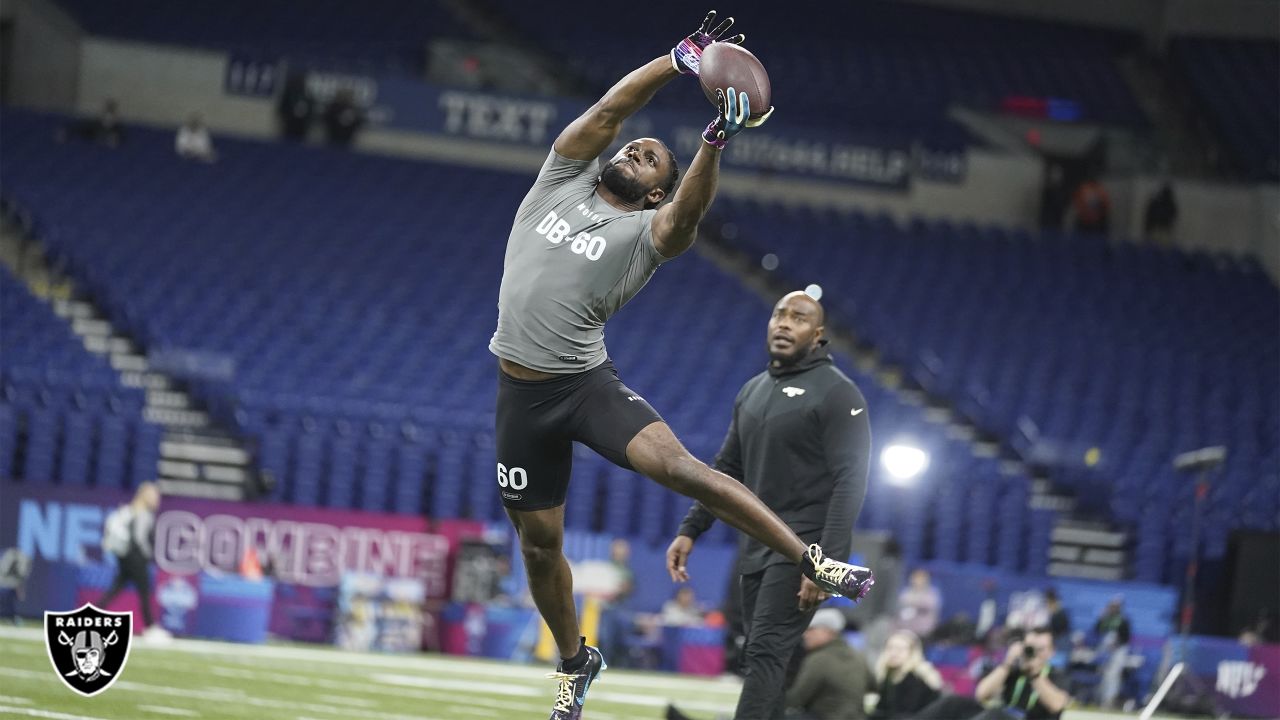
627	188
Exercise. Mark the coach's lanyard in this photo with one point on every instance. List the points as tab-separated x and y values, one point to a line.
1035	694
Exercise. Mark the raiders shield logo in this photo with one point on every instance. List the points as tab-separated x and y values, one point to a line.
88	647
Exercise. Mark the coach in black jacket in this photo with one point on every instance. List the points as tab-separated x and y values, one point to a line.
800	440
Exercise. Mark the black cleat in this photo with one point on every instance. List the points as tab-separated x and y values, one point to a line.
573	687
835	577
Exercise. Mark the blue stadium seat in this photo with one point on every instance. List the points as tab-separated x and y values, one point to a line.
410	479
8	441
899	67
377	36
341	486
111	457
376	476
42	440
1237	84
77	435
146	454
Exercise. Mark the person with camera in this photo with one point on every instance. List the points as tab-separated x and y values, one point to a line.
1023	687
1025	684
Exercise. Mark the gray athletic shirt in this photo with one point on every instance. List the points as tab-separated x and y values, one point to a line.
572	261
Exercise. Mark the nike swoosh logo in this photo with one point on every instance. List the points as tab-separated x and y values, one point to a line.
854	412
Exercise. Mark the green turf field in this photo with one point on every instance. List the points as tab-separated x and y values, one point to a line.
197	679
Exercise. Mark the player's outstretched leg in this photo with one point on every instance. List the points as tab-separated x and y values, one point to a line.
659	455
541	534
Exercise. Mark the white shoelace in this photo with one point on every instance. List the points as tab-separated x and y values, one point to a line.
829	570
564	692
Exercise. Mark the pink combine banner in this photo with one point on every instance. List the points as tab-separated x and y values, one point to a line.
311	547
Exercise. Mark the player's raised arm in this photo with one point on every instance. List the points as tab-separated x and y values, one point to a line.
593	131
675	227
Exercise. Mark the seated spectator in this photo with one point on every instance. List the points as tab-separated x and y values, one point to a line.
991	650
833	677
342	119
1023	687
1264	628
1112	632
1059	621
193	141
506	588
1162	213
682	610
616	617
1060	626
105	129
958	630
988	611
905	681
296	108
1091	207
919	604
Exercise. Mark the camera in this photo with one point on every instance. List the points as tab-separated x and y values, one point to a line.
1028	653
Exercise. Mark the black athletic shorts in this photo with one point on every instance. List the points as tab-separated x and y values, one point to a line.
538	421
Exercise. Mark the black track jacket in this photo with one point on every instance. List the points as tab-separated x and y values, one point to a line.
800	440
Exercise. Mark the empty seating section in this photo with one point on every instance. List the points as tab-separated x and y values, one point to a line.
1237	83
356	296
894	68
373	35
80	425
1069	343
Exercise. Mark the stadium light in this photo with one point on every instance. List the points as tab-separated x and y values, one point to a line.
904	462
814	291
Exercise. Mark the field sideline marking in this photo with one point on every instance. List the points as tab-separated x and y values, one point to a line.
451	665
431	663
399	692
602	693
164	710
434	689
438	692
348	700
51	715
449	684
217	694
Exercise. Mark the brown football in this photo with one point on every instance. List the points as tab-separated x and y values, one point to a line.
726	65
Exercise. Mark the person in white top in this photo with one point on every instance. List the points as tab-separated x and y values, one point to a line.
193	141
682	610
919	605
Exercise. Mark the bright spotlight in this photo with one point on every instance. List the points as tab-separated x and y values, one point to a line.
814	291
904	462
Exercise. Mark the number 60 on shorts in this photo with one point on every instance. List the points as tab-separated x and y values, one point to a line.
514	478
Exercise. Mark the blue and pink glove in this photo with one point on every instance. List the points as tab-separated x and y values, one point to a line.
735	114
687	54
